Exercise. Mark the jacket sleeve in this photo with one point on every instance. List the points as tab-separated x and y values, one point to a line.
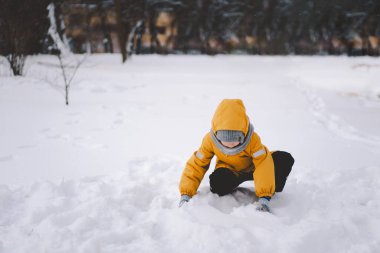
196	168
263	174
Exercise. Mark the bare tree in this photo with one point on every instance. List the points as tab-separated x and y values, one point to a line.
68	64
68	72
121	33
102	8
129	14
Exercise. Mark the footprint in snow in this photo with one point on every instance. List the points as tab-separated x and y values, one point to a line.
73	114
6	158
72	122
54	136
45	130
26	146
98	90
118	122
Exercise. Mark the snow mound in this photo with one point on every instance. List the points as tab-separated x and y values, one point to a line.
136	211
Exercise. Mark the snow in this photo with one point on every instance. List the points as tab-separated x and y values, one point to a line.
102	174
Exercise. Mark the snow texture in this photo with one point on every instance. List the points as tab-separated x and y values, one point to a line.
102	174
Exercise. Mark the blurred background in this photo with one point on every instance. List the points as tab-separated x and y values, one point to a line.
126	27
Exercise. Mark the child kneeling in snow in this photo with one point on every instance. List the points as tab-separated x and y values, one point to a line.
240	157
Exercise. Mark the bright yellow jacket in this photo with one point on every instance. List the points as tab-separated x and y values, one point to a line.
251	156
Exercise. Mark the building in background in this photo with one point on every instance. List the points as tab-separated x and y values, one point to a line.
231	26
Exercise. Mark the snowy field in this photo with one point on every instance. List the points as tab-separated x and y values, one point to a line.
102	174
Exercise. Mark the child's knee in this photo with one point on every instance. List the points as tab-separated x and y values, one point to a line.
283	160
223	181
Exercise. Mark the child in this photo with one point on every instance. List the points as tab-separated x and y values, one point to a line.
240	157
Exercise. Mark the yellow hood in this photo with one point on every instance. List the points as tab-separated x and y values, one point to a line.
230	115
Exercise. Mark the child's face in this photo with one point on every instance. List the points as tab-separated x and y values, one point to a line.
230	144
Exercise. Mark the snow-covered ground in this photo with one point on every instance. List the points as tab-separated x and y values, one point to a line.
102	174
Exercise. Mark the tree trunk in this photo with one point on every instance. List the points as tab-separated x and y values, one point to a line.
121	34
107	43
16	63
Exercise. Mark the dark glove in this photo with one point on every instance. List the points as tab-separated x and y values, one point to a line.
184	199
263	205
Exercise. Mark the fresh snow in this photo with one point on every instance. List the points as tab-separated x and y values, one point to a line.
102	174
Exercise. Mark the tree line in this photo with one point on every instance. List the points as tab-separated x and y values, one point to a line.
264	27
